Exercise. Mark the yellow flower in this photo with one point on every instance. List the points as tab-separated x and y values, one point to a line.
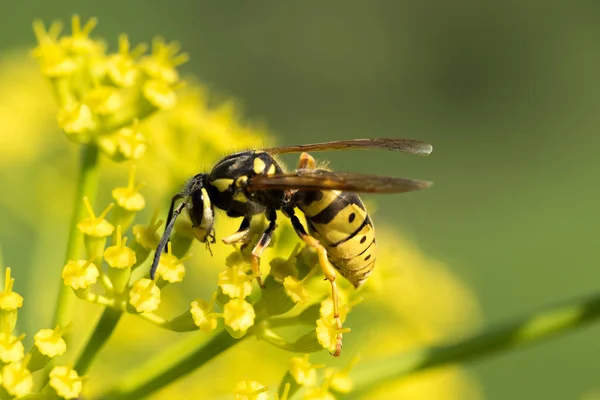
104	100
250	390
170	268
9	300
339	380
66	382
119	256
49	342
204	318
130	197
162	63
121	67
296	290
146	235
144	296
9	303
79	43
17	379
127	143
239	316
77	121
11	348
94	226
235	282
159	93
53	58
80	274
326	309
303	371
327	333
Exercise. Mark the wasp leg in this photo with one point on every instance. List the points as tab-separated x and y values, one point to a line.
263	242
328	271
242	235
307	162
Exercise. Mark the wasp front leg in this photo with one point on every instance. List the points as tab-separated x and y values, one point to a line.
263	242
328	271
242	235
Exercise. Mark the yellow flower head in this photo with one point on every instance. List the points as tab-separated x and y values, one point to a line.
80	274
239	316
162	63
17	379
250	390
146	235
9	300
96	226
144	296
66	382
121	67
50	343
119	256
327	333
77	121
127	143
303	371
345	306
235	282
170	268
11	348
130	197
80	43
295	289
53	58
104	100
202	312
339	380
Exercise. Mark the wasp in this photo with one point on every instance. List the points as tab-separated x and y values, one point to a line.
249	183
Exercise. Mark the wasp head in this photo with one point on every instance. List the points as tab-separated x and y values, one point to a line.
200	209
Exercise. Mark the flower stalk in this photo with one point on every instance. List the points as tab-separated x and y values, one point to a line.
87	185
509	336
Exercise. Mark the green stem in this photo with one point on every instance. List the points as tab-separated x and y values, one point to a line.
102	332
188	356
512	335
87	185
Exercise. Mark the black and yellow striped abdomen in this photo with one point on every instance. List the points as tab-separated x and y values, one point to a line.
342	225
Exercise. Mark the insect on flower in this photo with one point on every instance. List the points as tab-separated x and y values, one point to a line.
252	182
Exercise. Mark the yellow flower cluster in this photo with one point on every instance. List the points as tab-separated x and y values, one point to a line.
120	258
16	375
104	100
304	375
102	97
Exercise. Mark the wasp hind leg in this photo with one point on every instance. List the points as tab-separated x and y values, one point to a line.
328	271
242	235
263	242
307	162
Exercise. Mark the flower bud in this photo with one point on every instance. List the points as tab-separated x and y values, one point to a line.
66	382
9	303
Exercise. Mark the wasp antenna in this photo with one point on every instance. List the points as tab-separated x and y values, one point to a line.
166	236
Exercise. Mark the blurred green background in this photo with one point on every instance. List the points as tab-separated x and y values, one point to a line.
506	91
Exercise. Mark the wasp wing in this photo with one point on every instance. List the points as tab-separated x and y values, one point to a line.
328	180
404	145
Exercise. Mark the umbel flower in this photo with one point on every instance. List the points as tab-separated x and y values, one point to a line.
132	107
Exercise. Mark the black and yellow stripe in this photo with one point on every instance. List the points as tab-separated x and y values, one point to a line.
342	225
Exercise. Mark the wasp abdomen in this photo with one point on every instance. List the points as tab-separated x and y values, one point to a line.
341	223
